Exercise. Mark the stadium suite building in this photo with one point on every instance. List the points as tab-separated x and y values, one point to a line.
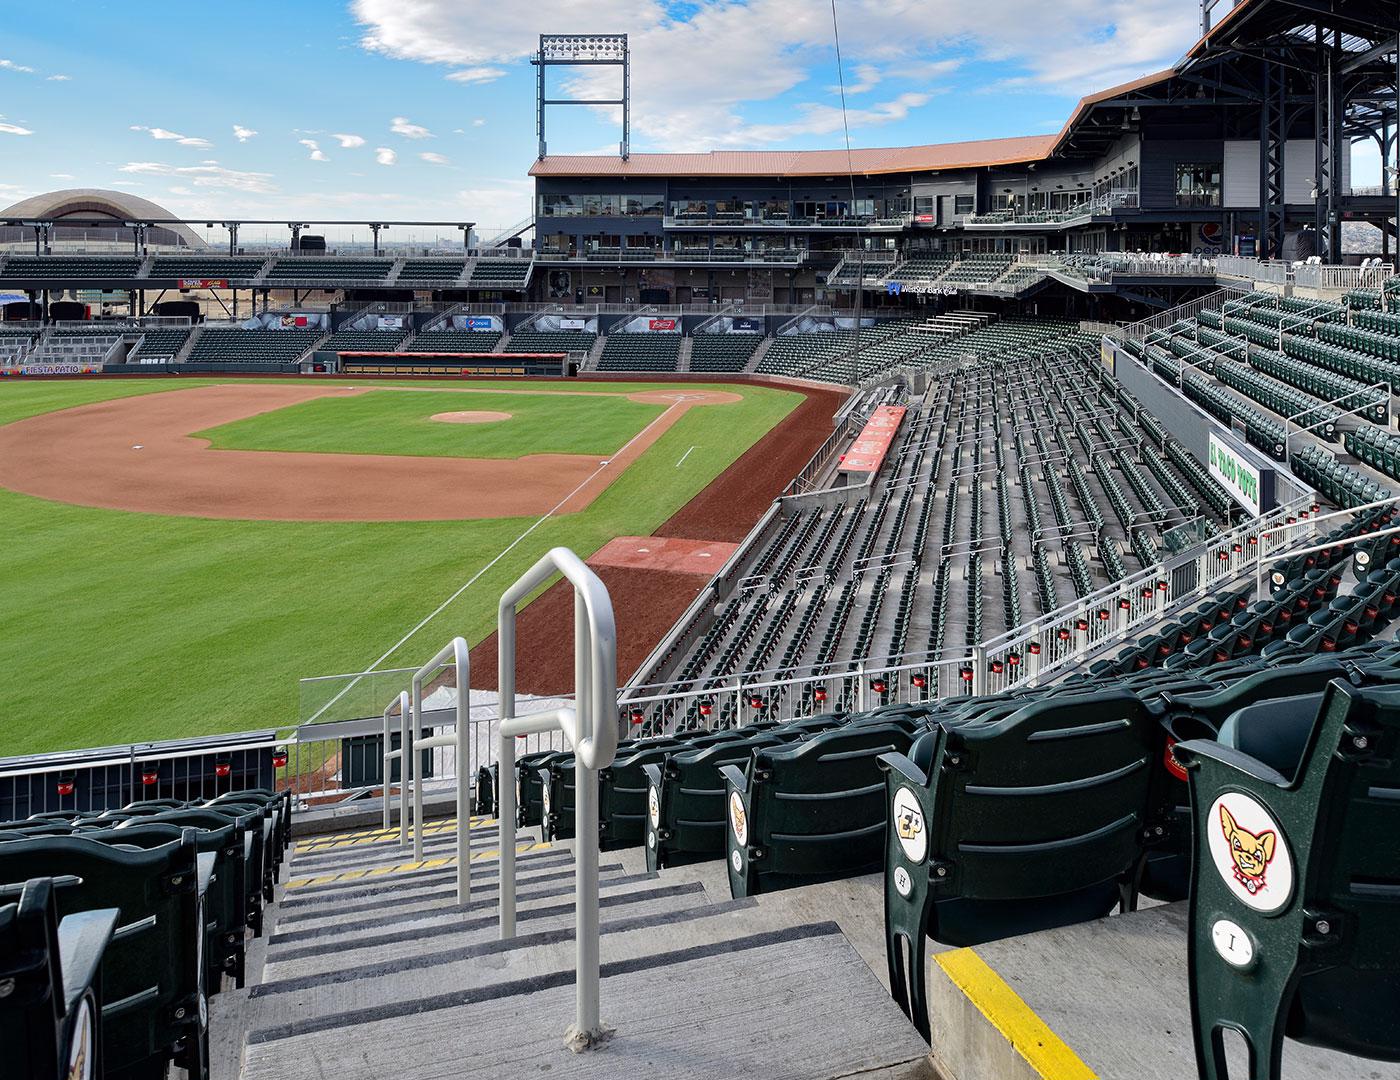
1231	150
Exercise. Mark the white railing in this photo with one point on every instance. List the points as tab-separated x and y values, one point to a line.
410	745
390	756
1341	278
591	728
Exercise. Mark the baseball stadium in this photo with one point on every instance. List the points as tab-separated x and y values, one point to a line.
926	611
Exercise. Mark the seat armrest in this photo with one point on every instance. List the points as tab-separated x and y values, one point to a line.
735	775
82	939
1193	752
899	763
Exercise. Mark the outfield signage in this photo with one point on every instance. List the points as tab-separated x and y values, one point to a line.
203	283
1247	483
52	369
665	325
748	326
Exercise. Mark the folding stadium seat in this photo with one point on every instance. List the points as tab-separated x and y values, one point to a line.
1294	929
50	1025
809	812
236	894
992	831
686	804
153	984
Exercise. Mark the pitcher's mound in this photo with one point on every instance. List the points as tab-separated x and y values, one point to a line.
479	417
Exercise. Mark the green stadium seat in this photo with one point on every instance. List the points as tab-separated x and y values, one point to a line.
50	1015
1295	916
809	812
1037	820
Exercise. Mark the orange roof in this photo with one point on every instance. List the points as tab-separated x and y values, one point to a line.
792	163
895	159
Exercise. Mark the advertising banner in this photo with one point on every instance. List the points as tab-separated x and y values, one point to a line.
479	322
1248	485
748	326
390	322
203	283
573	324
294	322
667	325
868	452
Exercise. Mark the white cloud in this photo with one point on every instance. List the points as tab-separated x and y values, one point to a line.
695	78
10	65
243	134
59	78
480	121
384	156
349	142
402	126
60	176
14	129
208	174
476	75
166	135
317	154
434	159
494	207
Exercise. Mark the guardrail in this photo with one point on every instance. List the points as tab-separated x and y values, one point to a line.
1342	278
590	727
411	745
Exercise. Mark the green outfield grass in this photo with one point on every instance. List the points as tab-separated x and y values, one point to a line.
398	422
121	626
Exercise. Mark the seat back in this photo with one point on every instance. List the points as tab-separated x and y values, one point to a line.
813	811
622	802
153	985
685	801
49	1020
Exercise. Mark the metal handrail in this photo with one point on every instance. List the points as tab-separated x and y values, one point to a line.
591	728
390	756
455	650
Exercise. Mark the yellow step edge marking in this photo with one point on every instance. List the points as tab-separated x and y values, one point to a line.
1031	1037
408	867
336	840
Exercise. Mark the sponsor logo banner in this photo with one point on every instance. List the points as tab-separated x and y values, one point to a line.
1240	478
390	322
203	283
572	324
479	322
868	452
748	326
661	324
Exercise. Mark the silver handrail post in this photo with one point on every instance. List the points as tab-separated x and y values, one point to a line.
591	728
456	651
390	756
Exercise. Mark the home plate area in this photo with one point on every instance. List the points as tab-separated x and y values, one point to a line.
664	553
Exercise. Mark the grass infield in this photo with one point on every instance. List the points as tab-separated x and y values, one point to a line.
122	626
395	422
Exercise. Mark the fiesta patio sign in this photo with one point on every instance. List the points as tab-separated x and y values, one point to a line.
1248	484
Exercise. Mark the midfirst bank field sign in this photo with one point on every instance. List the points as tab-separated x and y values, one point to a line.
1248	484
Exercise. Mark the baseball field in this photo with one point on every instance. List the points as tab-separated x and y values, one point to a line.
180	552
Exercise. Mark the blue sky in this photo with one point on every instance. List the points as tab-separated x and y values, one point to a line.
425	108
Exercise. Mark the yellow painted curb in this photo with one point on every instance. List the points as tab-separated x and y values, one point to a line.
404	868
1031	1037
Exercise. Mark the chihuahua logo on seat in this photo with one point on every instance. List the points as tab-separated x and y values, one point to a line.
738	819
907	816
1250	852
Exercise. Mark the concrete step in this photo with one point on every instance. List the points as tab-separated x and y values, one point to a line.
332	893
403	902
536	954
401	865
1107	998
392	916
796	1004
435	843
466	929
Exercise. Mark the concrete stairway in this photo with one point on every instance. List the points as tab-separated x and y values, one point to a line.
372	969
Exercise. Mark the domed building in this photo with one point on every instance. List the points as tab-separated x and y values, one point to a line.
88	208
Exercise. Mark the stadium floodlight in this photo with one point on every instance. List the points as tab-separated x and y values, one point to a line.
583	50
